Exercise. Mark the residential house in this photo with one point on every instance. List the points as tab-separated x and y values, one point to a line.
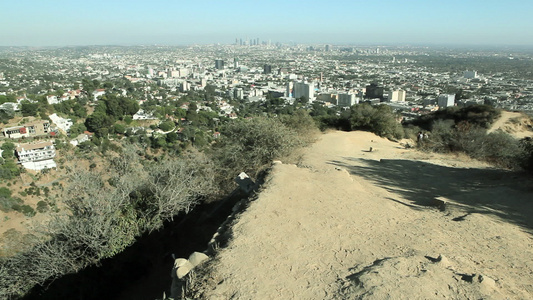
97	93
83	137
142	115
52	99
36	156
61	123
34	128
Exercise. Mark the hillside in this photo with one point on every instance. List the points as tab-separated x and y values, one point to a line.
391	223
516	124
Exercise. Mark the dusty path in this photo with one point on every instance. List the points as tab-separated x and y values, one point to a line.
514	123
347	223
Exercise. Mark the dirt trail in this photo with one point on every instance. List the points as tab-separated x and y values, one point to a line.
350	223
514	123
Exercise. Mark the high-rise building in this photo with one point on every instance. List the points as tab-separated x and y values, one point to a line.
397	96
235	63
374	91
185	86
267	69
290	86
238	93
304	89
470	74
346	99
219	64
446	100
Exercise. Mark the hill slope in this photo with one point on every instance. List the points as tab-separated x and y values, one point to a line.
516	124
352	223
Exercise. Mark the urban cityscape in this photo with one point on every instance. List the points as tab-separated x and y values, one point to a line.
134	136
252	71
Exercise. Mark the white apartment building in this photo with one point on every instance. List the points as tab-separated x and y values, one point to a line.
61	123
397	96
36	156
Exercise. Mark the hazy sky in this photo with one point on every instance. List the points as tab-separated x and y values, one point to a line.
178	22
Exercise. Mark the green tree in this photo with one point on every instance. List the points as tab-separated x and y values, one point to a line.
172	137
9	150
119	128
77	129
167	125
379	119
7	114
29	109
99	121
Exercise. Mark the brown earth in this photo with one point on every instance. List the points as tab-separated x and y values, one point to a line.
391	223
516	124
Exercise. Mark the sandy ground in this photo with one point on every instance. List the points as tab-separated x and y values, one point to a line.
516	124
349	223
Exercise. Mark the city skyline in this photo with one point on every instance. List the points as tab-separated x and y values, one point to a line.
71	23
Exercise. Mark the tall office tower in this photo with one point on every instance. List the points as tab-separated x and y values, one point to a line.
257	41
446	100
235	63
240	41
267	69
344	100
374	91
304	89
236	41
219	64
290	87
238	93
397	96
470	74
328	48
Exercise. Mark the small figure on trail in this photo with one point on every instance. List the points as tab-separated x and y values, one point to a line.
419	137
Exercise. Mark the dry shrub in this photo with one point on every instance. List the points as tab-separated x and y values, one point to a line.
248	145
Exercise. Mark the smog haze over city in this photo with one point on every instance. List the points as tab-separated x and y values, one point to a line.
164	22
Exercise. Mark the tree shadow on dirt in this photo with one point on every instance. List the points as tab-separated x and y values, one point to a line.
506	194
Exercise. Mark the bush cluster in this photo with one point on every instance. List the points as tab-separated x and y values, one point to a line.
480	115
247	145
497	148
379	119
